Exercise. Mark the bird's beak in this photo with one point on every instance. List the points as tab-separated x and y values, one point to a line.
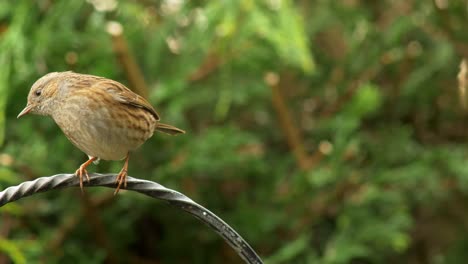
26	110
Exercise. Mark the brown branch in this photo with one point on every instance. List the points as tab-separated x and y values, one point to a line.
210	64
463	82
3	28
292	133
214	60
364	77
126	59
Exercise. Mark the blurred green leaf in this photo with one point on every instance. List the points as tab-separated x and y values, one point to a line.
366	101
290	251
12	250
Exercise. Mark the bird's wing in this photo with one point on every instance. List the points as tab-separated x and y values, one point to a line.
124	95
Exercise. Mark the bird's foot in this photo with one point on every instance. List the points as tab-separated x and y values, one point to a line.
121	178
80	172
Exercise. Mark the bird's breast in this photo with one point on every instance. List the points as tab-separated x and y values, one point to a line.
104	129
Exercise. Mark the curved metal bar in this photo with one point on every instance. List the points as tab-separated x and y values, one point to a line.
149	188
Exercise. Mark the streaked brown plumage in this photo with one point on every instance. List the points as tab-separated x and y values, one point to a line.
101	117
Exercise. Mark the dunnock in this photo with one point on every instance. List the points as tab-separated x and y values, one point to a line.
101	117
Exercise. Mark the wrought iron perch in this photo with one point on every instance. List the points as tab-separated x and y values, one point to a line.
149	188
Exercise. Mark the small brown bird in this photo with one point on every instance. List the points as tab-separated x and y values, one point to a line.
101	117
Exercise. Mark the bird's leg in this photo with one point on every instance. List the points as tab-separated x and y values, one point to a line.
122	176
82	170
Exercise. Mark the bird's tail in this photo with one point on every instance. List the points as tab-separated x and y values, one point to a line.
168	129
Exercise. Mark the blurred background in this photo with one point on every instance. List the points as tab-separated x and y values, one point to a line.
322	131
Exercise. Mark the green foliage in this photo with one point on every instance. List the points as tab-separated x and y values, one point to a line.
376	174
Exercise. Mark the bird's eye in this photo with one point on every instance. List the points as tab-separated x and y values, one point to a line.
38	92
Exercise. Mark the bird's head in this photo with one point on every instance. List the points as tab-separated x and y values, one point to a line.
42	95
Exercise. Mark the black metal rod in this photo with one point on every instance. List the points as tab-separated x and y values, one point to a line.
149	188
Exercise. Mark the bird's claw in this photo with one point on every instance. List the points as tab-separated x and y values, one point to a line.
79	173
121	178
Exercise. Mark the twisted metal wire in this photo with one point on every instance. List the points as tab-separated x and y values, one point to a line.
149	188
